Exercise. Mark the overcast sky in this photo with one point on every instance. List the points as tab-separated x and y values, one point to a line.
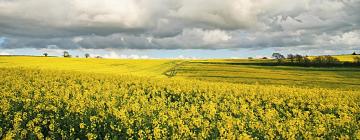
179	28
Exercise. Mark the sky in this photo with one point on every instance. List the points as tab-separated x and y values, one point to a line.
179	28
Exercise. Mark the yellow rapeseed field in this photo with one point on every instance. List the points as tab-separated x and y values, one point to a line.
344	58
154	68
53	103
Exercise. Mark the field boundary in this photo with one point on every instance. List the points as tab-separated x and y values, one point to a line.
173	71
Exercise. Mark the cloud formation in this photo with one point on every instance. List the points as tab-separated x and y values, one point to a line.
180	24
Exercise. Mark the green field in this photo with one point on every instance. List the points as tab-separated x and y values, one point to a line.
74	98
238	71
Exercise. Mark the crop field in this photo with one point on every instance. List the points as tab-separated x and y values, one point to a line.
348	58
109	66
70	98
344	58
239	71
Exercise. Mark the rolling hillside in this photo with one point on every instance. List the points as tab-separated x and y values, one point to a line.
109	66
71	98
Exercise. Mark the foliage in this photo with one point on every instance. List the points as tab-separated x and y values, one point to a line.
357	60
279	57
342	58
87	55
326	60
68	105
301	59
66	54
291	57
314	61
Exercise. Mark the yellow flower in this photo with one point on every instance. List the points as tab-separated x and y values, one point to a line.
82	125
91	136
52	127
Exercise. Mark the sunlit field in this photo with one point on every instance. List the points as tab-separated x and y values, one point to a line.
180	69
109	66
346	58
240	71
70	98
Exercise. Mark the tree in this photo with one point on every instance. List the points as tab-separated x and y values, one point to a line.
354	53
250	58
264	58
306	60
299	58
291	57
326	60
45	54
66	54
279	57
87	55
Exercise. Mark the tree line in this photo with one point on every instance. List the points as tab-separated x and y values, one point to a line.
67	54
300	60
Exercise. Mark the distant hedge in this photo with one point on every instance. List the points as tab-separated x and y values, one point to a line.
321	61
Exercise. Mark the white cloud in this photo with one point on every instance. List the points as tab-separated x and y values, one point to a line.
149	39
206	36
114	55
52	51
342	41
215	36
195	38
348	38
77	39
126	13
184	57
225	13
4	53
